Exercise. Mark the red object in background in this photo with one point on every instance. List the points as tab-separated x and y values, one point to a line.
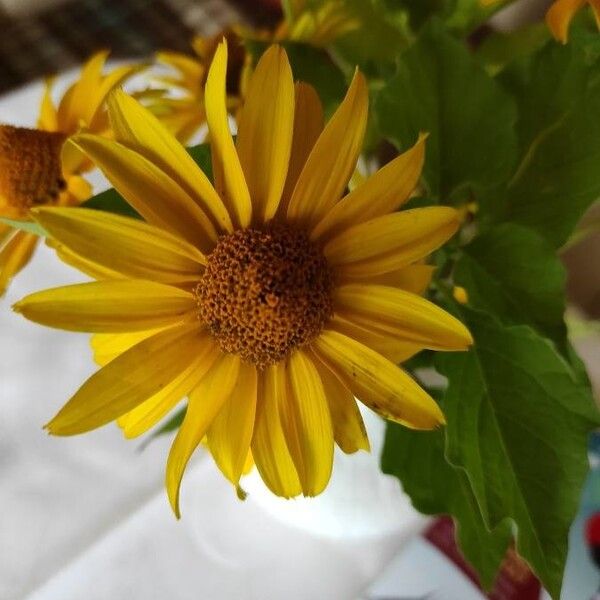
514	581
592	530
592	537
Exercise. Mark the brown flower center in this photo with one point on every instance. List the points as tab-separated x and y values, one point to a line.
30	168
264	293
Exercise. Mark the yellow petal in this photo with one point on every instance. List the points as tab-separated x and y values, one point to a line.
387	243
129	380
185	125
349	429
308	125
414	278
307	424
206	399
190	68
83	103
76	107
96	118
382	193
249	464
78	188
264	139
73	160
108	306
203	46
269	447
89	267
15	255
157	197
333	158
230	433
6	231
107	346
377	382
387	344
235	191
140	130
595	4
128	246
559	17
63	108
147	414
396	312
48	120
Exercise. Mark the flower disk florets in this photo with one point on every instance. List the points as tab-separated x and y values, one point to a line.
30	167
265	293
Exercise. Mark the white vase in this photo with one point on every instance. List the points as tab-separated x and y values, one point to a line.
359	500
268	548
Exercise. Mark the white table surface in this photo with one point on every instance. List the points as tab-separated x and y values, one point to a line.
87	517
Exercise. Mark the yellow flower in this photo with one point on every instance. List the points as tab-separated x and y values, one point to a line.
561	13
38	169
318	25
184	114
314	23
271	300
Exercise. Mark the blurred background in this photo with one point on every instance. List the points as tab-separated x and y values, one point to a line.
45	36
86	518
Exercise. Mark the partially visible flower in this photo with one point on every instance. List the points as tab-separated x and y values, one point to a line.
561	13
37	168
271	299
184	113
82	106
317	24
313	23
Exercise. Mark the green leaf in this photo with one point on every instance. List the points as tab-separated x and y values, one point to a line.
420	11
169	426
26	226
440	88
518	420
435	487
500	48
381	35
460	16
559	137
202	157
467	15
288	9
561	178
512	272
314	66
547	87
172	424
111	201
